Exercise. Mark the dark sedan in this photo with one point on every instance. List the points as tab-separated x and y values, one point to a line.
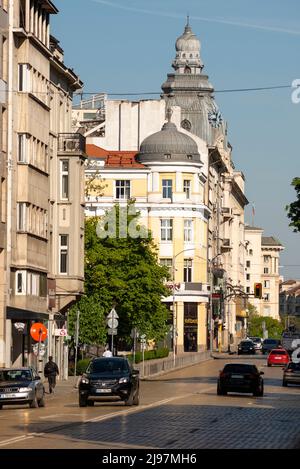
269	344
107	378
239	377
291	374
21	386
247	347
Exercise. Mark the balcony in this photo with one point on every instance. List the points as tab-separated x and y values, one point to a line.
71	143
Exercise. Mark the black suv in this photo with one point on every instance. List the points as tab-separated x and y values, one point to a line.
109	377
246	346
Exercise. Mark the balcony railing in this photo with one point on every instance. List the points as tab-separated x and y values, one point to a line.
71	143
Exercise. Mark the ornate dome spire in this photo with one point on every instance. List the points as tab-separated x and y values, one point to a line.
187	58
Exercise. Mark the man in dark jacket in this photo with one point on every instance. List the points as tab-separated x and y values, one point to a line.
50	372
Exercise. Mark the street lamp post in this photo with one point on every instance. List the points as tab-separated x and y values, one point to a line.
211	303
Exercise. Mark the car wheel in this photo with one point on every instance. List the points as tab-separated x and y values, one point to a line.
221	392
41	402
82	401
34	403
90	403
284	383
136	399
129	400
269	364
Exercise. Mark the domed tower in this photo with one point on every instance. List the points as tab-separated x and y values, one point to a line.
188	58
191	90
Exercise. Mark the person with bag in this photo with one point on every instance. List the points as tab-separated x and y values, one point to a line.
51	371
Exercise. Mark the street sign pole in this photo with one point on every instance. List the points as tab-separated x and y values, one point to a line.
112	336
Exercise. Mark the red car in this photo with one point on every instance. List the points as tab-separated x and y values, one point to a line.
278	356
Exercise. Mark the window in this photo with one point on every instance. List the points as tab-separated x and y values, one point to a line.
20	282
166	229
247	289
247	276
167	156
24	78
266	270
266	283
248	264
266	259
167	263
187	270
33	284
21	216
22	148
122	189
63	254
250	252
187	188
188	231
267	296
167	188
64	176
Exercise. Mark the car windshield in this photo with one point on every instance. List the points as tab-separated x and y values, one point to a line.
239	368
246	342
269	341
278	352
15	375
108	365
256	340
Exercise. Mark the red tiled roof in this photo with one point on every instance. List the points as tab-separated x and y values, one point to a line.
121	159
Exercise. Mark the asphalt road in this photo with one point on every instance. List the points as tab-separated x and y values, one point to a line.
177	410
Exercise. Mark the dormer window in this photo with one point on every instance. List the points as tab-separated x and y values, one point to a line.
167	156
189	157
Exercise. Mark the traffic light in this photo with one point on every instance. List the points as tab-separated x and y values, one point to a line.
257	290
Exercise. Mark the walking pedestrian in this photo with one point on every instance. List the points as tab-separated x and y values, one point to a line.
51	371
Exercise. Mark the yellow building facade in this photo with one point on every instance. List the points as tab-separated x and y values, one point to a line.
166	180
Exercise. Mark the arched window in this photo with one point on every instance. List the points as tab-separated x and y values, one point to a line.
187	69
185	124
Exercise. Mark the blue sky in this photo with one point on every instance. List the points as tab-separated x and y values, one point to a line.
120	46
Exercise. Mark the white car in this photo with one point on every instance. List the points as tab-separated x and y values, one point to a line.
257	342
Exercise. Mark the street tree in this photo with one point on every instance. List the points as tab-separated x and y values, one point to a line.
121	269
92	325
294	208
273	326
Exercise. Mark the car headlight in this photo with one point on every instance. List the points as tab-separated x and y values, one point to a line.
24	389
85	380
123	380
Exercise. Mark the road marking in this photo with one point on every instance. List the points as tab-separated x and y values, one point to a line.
145	407
57	415
16	440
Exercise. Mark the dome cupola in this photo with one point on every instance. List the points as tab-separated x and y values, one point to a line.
187	47
170	146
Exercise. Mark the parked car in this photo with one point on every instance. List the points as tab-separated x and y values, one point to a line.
257	342
246	346
21	386
278	357
291	374
107	378
269	344
240	377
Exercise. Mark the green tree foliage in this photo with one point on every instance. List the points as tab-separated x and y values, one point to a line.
273	326
91	320
122	270
294	208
